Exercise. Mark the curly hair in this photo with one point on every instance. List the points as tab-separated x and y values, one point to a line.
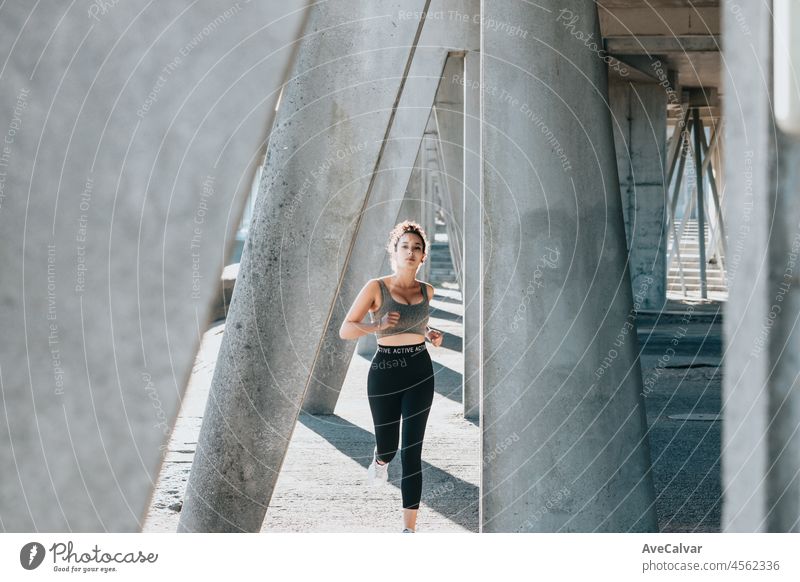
403	228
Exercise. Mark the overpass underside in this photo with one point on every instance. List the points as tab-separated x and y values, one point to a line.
616	202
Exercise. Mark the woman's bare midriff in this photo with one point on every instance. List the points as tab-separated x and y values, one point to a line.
401	339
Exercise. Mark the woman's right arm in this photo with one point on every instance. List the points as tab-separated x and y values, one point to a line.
352	326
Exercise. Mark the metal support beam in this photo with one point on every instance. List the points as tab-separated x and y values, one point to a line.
701	218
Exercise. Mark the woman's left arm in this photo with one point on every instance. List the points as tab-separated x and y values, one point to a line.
433	335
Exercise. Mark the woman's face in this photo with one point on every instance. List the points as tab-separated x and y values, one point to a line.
408	253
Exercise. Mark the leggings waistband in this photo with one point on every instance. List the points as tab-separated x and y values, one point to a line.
400	350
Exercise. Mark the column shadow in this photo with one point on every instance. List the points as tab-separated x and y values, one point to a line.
446	315
452	342
449	496
447	383
446	299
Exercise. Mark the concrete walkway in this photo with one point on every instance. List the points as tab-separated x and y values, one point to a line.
322	485
683	398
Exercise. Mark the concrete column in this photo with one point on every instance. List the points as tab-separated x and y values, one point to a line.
639	120
334	120
449	120
749	157
412	203
430	163
760	441
701	200
130	137
472	241
428	209
564	444
393	197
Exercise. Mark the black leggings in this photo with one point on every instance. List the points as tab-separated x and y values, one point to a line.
400	384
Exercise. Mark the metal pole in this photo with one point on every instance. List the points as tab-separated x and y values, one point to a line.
671	227
701	219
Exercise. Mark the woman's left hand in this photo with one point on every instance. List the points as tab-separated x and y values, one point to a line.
435	337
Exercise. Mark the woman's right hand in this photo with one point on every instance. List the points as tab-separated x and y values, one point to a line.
389	320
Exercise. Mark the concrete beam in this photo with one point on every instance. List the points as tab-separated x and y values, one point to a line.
659	45
641	64
656	18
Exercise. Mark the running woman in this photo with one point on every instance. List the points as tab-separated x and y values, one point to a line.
400	380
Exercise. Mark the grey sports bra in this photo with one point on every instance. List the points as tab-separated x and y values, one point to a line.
413	318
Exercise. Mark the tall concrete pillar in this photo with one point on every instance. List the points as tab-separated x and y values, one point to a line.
429	157
428	209
430	169
639	120
448	117
332	127
760	441
125	153
411	206
564	444
473	206
393	197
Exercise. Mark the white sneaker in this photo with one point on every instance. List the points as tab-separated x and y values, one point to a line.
408	530
377	474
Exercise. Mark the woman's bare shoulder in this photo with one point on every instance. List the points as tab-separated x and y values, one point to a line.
429	287
373	288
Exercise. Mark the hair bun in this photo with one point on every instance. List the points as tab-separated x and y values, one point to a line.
405	227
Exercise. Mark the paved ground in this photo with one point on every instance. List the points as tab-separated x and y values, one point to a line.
330	493
685	452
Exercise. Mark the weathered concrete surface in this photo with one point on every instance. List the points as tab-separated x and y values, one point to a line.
335	116
322	485
761	469
783	475
639	113
430	204
448	116
562	429
422	209
131	134
473	208
749	153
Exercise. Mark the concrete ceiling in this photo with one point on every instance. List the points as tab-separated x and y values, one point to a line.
684	35
658	3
